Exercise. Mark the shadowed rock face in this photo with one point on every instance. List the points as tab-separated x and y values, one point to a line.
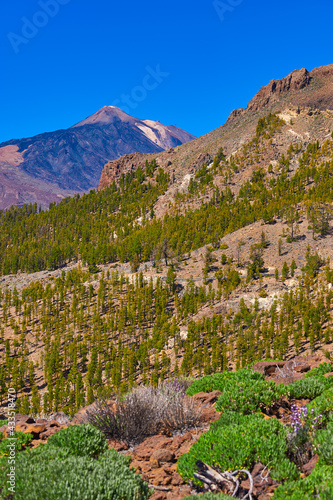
50	166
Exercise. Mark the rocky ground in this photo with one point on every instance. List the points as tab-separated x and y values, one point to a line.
156	457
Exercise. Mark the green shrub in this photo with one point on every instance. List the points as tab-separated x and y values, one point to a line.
80	440
324	444
307	388
320	370
21	441
319	484
238	441
249	396
50	473
323	405
218	381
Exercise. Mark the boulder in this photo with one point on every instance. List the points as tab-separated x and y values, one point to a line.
81	416
24	419
163	456
302	368
149	445
117	445
207	398
35	429
209	415
268	367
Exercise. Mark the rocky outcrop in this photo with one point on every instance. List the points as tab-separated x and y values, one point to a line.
287	371
297	80
300	88
41	429
113	170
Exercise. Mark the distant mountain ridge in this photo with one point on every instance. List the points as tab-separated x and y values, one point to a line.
53	165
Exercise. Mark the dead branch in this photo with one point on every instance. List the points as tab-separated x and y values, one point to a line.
159	488
215	480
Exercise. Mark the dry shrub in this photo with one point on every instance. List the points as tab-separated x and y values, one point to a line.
145	412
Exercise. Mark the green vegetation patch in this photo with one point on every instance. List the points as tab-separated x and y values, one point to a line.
80	440
236	441
56	474
244	391
19	439
319	484
64	468
218	381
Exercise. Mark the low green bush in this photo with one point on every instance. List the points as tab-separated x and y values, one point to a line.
51	473
238	441
323	405
324	444
20	440
249	396
320	370
218	381
80	440
307	388
319	484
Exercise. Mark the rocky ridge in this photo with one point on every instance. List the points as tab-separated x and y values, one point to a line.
300	95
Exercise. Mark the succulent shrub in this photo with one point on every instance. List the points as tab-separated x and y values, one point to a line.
319	484
21	441
249	396
80	440
237	441
53	473
307	388
320	370
218	381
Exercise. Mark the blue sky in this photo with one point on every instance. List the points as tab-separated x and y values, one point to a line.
62	60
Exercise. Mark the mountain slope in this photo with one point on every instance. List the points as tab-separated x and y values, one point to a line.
210	255
308	90
50	166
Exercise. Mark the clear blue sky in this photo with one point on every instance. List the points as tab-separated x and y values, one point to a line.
92	52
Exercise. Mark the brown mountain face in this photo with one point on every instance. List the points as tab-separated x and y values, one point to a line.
50	166
298	97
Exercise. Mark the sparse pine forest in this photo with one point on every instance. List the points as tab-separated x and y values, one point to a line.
87	334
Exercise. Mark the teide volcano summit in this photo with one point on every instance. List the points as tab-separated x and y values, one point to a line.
51	166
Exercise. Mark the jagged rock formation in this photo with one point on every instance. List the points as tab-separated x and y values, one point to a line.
301	93
300	87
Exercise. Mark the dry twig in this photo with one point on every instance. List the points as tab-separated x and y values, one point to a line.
216	480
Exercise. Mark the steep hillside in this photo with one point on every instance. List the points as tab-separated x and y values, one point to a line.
207	256
51	166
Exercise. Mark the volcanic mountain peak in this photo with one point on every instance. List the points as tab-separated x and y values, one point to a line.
106	115
61	163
